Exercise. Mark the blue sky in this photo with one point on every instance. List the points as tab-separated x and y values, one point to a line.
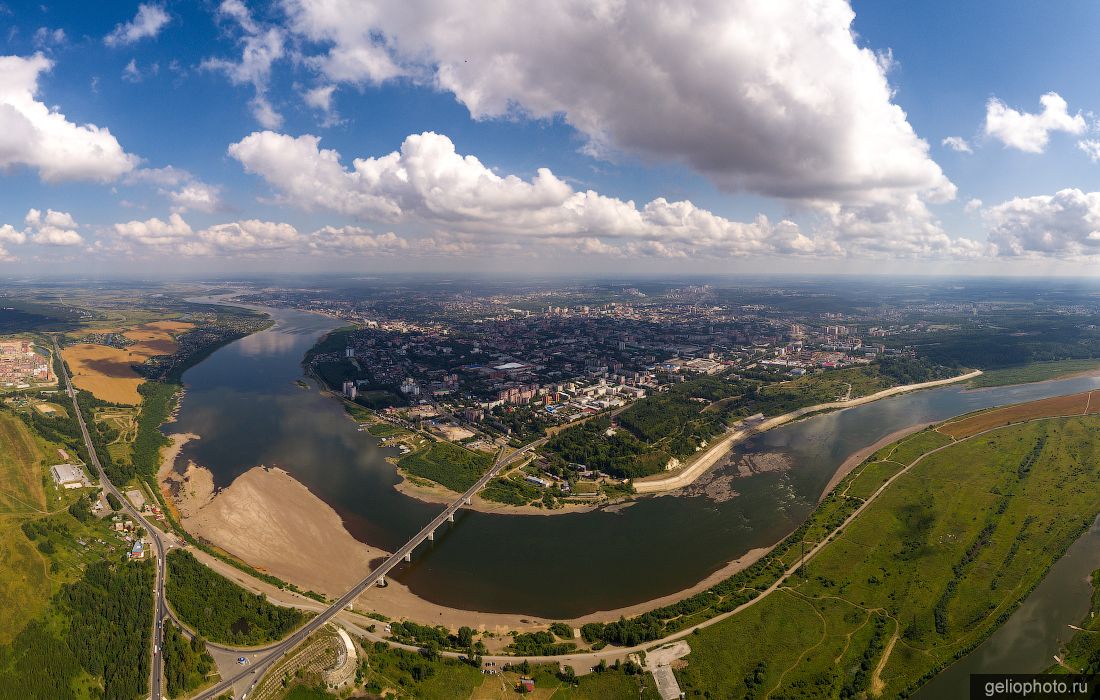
796	135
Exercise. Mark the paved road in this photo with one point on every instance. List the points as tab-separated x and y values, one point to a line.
157	671
281	649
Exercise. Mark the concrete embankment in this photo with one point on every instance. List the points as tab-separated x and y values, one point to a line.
700	466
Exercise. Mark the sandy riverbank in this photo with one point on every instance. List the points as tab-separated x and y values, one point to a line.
857	457
708	459
169	454
271	521
274	523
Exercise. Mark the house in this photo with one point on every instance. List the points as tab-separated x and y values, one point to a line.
138	550
527	684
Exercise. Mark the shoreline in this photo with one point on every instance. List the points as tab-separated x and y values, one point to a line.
442	495
1071	375
856	458
696	469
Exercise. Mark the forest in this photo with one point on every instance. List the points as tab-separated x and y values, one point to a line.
186	663
221	610
99	624
1009	338
110	629
157	403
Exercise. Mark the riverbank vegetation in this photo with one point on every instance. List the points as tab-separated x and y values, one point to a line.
1035	372
1082	653
447	464
668	428
222	611
923	575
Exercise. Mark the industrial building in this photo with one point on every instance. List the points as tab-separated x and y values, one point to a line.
69	476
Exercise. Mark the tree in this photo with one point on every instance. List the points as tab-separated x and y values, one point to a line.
465	636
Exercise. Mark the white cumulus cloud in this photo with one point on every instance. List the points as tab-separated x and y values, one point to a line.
1065	224
1091	148
147	23
354	239
155	232
1031	132
36	136
428	181
54	228
775	97
248	236
197	196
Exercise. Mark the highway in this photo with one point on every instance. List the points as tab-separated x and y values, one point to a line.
157	670
281	649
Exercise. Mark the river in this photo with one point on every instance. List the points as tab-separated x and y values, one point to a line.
1036	631
245	404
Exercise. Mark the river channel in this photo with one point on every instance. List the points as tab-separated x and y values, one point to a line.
245	404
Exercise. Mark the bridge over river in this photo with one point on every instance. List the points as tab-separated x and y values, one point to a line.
276	651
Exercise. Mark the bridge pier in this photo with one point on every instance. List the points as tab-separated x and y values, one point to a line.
381	583
409	556
469	501
451	518
431	535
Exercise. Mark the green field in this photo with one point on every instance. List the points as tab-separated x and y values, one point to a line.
923	575
24	588
449	465
1034	372
512	491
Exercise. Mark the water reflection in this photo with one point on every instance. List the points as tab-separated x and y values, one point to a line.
244	403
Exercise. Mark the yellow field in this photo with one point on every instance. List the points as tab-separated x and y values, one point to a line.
169	325
107	371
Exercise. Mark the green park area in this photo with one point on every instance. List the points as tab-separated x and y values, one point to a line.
447	464
925	573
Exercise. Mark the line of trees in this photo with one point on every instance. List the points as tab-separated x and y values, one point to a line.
157	402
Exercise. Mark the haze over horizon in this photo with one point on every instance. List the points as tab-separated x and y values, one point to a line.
300	136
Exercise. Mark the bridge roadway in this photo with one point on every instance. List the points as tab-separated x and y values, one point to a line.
280	649
156	671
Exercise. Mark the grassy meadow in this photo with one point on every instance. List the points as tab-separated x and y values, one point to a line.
923	575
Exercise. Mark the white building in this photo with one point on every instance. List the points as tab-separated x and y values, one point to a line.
69	476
